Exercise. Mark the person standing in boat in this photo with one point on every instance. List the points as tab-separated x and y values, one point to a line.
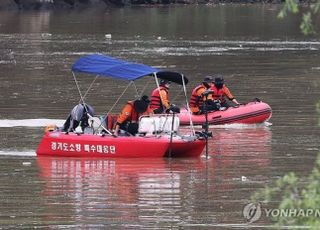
129	117
220	92
160	99
201	97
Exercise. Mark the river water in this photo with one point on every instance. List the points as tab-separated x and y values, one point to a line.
259	55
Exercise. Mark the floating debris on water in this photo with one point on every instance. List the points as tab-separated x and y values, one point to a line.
108	36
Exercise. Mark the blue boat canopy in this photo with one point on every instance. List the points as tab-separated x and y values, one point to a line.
111	67
107	66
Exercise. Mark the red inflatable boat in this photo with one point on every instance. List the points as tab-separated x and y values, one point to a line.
61	144
251	113
157	135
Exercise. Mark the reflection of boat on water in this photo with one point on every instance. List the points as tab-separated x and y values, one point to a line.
122	191
240	141
255	141
158	138
119	177
85	180
250	113
241	150
53	167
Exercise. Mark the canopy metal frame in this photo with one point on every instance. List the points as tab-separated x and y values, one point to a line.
157	75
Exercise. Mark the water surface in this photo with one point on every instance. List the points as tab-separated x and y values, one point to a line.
259	56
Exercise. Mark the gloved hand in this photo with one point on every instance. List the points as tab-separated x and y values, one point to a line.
175	109
207	92
209	102
158	111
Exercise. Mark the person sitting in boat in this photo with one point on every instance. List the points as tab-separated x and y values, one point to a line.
129	116
220	92
160	99
78	118
201	97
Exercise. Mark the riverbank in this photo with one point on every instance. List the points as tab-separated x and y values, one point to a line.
71	4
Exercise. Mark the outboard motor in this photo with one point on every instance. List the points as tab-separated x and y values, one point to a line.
78	115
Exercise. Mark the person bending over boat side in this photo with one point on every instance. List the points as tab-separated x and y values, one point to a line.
160	102
78	116
221	92
201	97
129	117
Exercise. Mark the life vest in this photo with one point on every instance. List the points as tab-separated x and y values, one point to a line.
128	114
156	101
110	121
196	98
134	115
219	94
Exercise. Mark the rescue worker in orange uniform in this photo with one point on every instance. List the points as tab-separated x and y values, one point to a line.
221	92
160	99
129	117
201	97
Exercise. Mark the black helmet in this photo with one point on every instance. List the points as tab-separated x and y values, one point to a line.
145	98
218	79
207	79
164	82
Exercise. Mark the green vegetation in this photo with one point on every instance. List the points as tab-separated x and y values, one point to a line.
311	11
295	194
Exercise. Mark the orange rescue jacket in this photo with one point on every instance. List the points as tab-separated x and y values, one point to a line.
128	113
197	99
158	101
220	94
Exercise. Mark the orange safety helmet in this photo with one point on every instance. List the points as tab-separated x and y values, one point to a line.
50	128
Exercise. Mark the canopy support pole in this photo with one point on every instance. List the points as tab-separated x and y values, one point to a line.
75	80
187	103
115	105
171	136
112	107
81	97
90	86
137	92
158	86
145	87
